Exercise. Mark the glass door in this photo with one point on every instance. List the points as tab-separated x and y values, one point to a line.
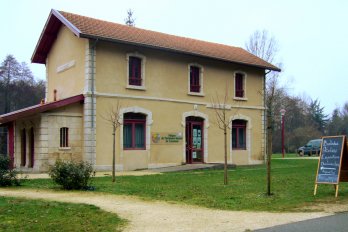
194	141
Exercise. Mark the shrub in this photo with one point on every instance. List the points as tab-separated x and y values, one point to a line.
71	174
8	176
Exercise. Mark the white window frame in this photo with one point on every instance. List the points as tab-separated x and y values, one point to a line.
143	61
201	72
244	98
64	138
249	134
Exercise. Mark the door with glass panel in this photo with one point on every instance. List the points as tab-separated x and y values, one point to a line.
194	140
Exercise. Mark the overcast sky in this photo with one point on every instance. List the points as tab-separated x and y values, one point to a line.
312	35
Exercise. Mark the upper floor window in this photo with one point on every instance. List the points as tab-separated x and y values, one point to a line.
239	83
64	137
195	79
136	71
239	134
134	131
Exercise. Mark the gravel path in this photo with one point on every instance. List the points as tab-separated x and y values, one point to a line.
161	216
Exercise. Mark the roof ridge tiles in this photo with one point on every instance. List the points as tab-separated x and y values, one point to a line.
88	27
148	30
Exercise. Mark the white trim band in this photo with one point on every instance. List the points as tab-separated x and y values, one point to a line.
208	105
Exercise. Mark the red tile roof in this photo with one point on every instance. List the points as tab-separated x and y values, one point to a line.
86	27
32	110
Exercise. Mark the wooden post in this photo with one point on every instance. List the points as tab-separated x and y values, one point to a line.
113	153
336	187
315	189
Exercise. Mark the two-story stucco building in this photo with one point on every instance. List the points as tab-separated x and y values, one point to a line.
164	85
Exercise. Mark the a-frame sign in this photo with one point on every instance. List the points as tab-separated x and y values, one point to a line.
333	162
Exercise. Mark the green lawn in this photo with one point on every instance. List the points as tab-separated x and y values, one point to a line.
17	214
292	185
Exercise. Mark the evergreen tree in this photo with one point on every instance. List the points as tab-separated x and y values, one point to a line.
18	89
317	116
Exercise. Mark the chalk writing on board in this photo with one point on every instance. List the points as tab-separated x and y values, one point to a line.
330	159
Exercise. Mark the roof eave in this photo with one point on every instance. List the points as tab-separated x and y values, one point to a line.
36	109
37	54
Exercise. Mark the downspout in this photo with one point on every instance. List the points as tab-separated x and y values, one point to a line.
92	80
265	114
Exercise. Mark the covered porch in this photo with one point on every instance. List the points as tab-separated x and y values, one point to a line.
39	135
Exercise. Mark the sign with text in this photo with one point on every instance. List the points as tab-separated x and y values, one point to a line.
330	160
165	138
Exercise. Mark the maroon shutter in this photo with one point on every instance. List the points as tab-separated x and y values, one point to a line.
194	79
239	85
134	71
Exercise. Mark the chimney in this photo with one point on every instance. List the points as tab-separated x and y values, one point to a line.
55	95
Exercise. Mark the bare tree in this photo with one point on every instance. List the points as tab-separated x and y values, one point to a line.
262	45
130	21
221	110
266	47
113	117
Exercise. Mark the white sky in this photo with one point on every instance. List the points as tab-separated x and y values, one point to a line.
312	34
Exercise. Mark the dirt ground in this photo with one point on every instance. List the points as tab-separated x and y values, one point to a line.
161	216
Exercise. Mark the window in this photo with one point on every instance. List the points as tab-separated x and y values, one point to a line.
239	85
195	79
134	131
135	71
134	75
239	134
195	85
64	137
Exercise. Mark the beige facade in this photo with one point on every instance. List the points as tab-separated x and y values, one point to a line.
66	66
44	130
99	69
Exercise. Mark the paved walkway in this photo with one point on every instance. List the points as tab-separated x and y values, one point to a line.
337	223
155	216
155	171
189	167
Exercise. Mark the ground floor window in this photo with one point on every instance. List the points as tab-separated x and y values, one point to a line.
64	137
239	134
134	131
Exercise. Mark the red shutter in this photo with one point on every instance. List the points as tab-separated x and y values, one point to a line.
239	85
134	71
195	85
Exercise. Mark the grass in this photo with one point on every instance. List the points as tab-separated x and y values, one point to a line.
287	155
18	214
292	187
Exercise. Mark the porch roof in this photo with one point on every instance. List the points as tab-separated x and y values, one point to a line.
29	111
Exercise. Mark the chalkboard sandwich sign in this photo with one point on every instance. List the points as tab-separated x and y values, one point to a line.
333	154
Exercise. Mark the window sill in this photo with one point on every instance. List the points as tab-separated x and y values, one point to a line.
196	94
240	98
136	87
64	148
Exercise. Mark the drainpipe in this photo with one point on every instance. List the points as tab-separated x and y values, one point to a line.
92	79
265	114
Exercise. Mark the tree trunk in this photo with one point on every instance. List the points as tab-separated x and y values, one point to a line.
225	164
113	154
269	150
